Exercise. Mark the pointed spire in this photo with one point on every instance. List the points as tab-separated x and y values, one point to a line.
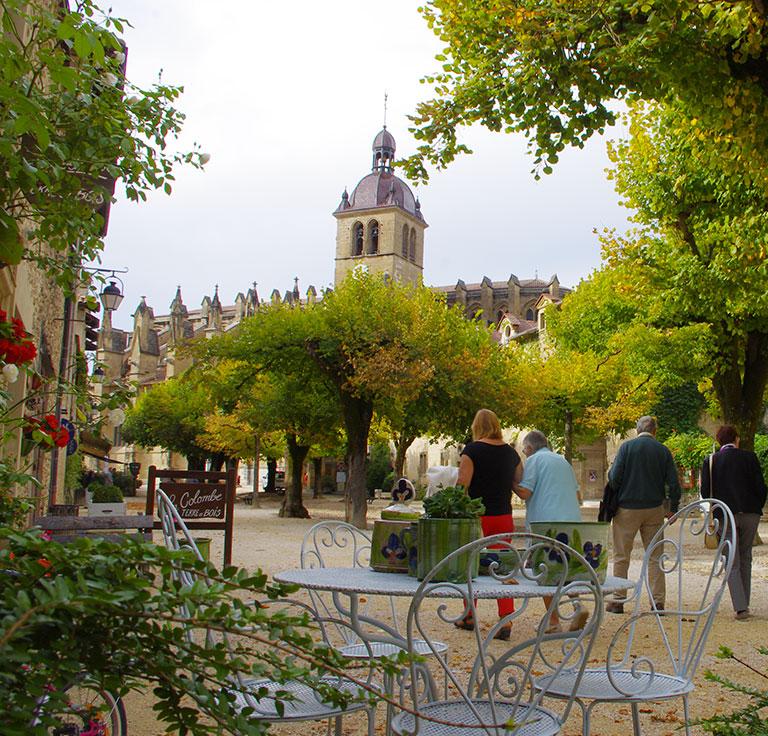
177	305
385	109
216	302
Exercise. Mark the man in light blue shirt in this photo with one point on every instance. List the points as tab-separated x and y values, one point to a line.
550	492
548	486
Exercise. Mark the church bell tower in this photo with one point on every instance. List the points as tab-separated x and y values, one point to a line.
380	225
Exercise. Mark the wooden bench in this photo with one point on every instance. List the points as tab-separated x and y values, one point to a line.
67	528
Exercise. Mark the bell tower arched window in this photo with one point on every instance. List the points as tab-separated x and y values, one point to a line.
357	239
529	315
412	251
373	237
405	241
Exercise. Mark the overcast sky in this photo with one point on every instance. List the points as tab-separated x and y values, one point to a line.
287	98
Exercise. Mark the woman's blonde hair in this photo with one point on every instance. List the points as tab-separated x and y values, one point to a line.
486	426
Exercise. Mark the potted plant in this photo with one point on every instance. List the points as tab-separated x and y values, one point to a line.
105	499
451	520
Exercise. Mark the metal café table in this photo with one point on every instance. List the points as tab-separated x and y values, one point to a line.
355	581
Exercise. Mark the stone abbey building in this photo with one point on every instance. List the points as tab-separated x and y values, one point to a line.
380	227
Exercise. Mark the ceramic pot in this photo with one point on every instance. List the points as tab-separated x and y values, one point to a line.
507	561
410	541
590	538
437	538
388	553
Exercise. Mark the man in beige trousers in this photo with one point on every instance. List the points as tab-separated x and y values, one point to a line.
644	475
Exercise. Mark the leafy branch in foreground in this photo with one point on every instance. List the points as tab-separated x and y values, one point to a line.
748	720
115	611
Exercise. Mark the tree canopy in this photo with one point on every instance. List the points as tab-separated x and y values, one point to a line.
553	69
71	124
171	415
378	347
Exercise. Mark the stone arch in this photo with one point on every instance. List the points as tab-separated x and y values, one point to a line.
405	241
358	238
373	237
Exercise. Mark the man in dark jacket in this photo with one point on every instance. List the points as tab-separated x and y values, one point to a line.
644	475
737	480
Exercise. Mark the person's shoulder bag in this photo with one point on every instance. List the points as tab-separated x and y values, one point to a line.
610	503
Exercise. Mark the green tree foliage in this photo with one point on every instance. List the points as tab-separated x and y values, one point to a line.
70	125
678	410
171	415
553	70
699	257
375	345
690	449
761	450
603	366
306	412
379	467
114	611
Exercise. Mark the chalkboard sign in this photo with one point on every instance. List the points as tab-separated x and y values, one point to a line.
204	499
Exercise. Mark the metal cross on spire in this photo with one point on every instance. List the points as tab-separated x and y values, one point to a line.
385	108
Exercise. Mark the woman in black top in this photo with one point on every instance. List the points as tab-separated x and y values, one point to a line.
737	480
488	469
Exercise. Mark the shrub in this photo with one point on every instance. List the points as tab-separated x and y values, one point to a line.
761	450
125	482
102	493
746	721
379	466
111	609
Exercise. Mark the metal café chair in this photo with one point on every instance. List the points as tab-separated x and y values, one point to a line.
654	654
495	695
269	700
338	544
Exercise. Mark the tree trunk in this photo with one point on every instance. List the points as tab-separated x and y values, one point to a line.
195	462
293	503
217	461
257	445
568	448
317	466
402	442
271	473
740	385
357	423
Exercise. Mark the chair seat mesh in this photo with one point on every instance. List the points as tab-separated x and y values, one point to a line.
538	721
306	702
595	685
380	649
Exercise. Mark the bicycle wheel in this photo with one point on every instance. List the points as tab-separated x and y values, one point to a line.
90	711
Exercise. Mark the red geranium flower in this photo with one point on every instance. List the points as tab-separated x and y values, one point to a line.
16	344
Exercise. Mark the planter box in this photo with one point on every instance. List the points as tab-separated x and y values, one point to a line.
437	538
106	509
590	539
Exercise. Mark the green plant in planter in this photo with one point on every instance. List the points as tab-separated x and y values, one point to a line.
453	503
102	493
451	520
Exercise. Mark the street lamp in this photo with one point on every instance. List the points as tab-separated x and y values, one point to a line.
111	296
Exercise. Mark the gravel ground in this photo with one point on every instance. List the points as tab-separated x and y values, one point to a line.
262	539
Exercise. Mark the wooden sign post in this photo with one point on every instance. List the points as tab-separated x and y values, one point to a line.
204	499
